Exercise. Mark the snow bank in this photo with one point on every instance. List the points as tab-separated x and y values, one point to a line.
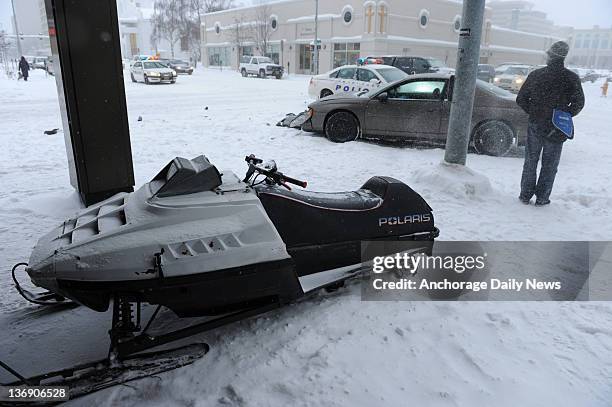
457	180
332	350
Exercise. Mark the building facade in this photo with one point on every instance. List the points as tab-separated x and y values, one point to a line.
520	15
591	48
135	29
348	29
31	19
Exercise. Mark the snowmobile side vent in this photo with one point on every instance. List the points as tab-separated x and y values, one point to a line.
110	217
95	220
204	246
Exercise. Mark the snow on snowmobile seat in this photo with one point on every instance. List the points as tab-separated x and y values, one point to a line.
182	176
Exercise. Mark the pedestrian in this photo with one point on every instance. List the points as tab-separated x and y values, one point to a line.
604	89
24	68
546	89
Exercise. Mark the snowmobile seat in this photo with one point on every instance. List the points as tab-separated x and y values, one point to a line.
360	200
311	218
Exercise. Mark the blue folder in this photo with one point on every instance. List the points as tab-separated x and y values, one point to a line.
563	122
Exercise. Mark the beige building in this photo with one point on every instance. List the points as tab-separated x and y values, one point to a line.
348	29
592	48
31	19
519	15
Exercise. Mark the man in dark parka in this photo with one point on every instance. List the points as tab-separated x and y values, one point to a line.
24	67
546	89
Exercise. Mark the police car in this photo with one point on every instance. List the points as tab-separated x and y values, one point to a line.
352	79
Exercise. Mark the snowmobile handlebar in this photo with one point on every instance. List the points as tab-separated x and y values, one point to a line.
270	172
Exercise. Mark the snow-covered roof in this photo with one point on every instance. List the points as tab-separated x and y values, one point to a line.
498	28
307	19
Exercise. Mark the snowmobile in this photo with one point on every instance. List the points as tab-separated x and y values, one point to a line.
201	242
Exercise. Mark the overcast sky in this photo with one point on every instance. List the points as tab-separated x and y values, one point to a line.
577	13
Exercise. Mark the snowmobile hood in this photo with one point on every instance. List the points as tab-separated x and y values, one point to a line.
131	236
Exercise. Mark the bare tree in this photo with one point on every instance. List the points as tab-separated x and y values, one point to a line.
167	22
261	28
199	8
240	34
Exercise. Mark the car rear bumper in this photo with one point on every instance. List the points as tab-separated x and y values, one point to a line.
184	70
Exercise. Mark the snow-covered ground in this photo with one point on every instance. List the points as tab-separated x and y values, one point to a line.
335	349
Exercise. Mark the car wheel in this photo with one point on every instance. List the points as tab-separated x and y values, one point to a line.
493	138
341	127
190	73
146	80
262	73
173	81
244	73
326	93
132	77
279	76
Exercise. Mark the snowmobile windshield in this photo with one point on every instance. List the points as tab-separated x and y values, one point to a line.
392	74
153	65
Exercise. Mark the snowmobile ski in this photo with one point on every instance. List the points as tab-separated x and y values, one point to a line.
94	376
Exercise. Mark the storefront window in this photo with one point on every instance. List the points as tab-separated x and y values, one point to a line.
346	53
248	51
219	56
274	53
305	57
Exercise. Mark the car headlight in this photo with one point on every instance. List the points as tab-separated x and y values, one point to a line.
173	73
310	112
496	80
153	73
519	81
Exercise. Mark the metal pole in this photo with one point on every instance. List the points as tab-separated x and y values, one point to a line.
468	55
316	41
19	50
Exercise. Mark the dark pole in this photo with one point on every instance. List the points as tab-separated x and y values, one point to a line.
86	53
468	55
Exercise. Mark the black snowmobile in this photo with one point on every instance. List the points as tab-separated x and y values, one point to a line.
205	243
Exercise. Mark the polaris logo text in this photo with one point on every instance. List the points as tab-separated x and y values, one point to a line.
402	220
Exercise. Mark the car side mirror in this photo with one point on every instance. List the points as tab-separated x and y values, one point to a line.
383	97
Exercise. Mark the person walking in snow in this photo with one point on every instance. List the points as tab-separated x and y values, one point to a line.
604	89
24	68
546	89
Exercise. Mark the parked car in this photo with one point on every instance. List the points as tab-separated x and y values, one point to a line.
152	72
590	76
353	78
36	62
437	65
486	72
418	107
409	64
513	77
49	67
500	69
180	66
260	66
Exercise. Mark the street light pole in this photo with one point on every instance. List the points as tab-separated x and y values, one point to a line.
462	106
19	50
316	41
